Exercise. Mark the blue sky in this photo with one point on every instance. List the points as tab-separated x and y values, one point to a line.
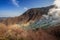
11	8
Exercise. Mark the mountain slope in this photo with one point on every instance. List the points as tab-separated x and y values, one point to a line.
30	15
37	30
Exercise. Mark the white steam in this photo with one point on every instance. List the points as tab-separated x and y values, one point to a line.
53	17
57	3
55	12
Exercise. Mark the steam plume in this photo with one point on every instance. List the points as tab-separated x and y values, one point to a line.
53	17
57	3
55	12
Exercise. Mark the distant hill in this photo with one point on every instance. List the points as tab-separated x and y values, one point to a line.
1	18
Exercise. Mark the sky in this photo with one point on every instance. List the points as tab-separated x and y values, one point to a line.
12	8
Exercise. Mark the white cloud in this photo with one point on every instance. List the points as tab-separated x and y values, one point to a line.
25	8
15	2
